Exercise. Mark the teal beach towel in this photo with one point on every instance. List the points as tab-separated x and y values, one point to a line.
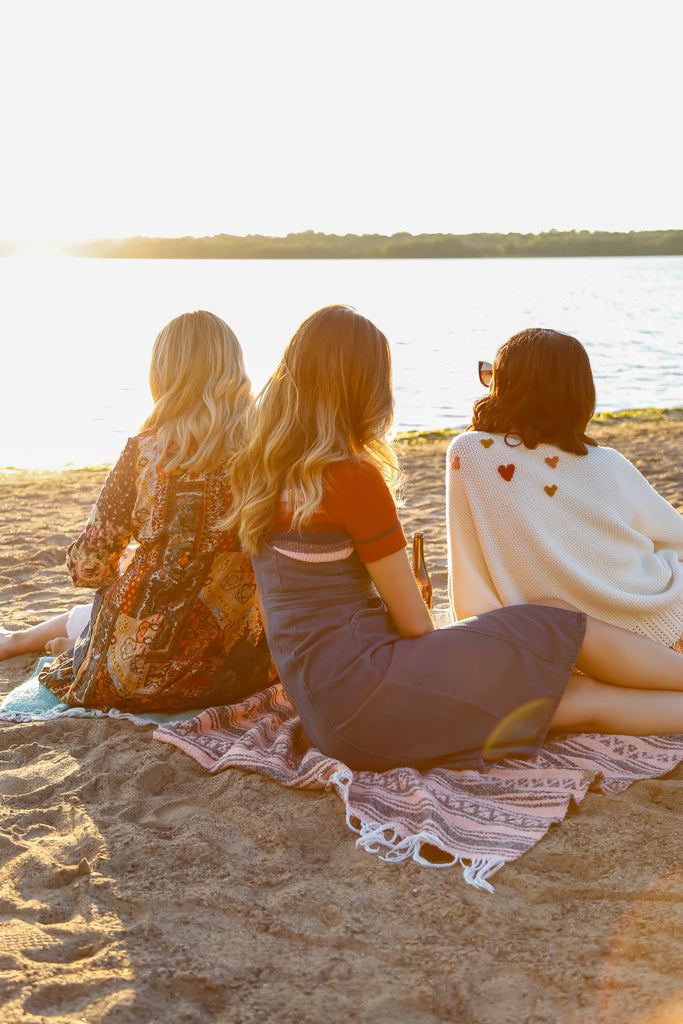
33	702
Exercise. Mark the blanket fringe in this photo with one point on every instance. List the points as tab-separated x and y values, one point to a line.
49	716
390	846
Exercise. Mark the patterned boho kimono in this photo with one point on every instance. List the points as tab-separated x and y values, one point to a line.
179	628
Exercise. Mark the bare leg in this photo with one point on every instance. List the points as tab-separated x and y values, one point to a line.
632	686
34	638
624	659
592	706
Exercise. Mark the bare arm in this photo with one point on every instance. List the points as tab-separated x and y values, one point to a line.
397	587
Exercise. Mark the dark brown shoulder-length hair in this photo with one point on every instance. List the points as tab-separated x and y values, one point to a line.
542	392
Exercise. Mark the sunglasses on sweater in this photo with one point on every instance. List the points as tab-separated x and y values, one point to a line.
485	373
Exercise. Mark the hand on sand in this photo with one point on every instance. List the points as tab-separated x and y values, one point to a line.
58	645
27	641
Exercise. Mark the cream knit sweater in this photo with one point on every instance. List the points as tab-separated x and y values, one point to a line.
527	524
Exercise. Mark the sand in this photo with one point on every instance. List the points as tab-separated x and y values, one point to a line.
136	888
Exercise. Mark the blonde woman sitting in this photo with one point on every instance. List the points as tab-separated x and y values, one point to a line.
536	509
179	627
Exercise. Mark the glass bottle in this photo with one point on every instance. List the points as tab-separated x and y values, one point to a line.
420	569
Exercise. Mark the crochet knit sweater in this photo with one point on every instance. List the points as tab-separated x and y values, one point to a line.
526	524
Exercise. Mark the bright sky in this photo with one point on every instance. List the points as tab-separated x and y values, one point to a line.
193	117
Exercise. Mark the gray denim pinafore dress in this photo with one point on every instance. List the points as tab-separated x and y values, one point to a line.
474	692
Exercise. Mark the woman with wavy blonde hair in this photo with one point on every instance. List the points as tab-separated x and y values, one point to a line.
330	399
373	683
178	627
201	392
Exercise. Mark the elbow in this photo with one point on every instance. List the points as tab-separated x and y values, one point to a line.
87	583
86	572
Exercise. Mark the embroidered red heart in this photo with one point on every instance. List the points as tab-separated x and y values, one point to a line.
507	472
486	441
550	490
553	462
455	462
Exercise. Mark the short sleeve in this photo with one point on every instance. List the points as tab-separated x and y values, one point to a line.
357	497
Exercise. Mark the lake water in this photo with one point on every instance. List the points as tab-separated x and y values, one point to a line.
77	333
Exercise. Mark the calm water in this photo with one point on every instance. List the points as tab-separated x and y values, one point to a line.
77	334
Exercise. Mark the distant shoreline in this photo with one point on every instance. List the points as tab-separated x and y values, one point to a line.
604	419
401	245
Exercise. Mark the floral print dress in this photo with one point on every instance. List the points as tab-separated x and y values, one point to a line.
179	628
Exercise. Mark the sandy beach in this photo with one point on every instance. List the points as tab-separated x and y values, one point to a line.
137	889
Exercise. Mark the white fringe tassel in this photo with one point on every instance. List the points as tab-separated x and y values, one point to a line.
390	846
49	716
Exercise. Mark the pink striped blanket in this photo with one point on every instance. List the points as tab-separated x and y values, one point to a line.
480	820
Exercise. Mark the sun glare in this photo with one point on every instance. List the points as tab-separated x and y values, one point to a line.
31	249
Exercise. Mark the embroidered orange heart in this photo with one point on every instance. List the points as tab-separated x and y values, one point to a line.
507	472
486	441
550	490
455	462
553	462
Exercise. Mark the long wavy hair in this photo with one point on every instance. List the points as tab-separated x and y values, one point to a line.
202	395
542	392
330	399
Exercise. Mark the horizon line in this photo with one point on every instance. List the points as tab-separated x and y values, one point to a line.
75	240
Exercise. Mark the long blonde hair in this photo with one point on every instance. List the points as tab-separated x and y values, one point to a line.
329	399
202	395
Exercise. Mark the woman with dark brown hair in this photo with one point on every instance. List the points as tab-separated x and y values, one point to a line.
536	509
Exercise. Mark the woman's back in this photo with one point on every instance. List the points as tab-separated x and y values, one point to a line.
179	628
525	524
536	509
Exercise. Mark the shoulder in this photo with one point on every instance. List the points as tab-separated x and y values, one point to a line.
468	440
139	443
610	459
147	450
475	448
464	446
148	439
128	457
608	455
353	474
353	488
478	440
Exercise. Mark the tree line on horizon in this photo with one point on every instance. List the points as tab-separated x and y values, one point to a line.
317	245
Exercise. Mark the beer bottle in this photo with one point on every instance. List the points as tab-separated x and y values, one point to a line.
420	569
